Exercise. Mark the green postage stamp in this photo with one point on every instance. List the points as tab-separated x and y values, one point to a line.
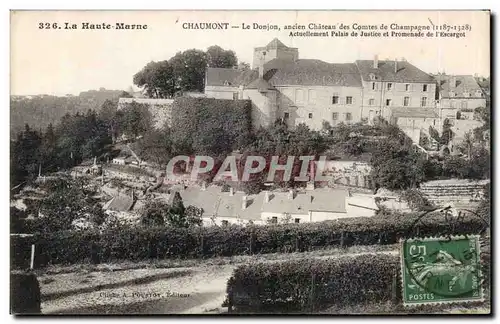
441	270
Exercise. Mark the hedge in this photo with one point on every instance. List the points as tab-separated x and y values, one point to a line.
142	243
25	296
202	124
313	284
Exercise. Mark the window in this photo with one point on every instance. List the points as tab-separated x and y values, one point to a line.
371	102
463	104
423	102
372	76
388	102
452	94
310	115
406	101
235	96
407	87
348	100
335	100
389	86
452	104
286	115
225	223
335	116
312	95
348	116
299	95
274	220
424	88
297	220
466	94
374	86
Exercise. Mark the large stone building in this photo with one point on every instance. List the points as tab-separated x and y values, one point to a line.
282	86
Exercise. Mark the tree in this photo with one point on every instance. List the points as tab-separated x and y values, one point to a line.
396	165
217	57
243	66
157	80
189	70
134	119
447	134
154	213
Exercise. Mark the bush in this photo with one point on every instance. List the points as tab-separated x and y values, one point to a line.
310	285
167	242
24	293
210	126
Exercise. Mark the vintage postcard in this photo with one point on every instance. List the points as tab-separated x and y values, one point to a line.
250	162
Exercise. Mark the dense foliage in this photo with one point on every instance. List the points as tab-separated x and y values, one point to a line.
139	243
25	295
76	138
40	111
183	72
310	285
211	127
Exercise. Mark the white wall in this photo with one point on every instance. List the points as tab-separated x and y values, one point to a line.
361	206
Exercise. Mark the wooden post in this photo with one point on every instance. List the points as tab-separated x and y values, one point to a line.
342	240
32	263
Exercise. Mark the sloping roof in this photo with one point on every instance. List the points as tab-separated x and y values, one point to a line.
414	112
311	73
463	84
275	43
302	203
260	84
229	77
120	203
406	72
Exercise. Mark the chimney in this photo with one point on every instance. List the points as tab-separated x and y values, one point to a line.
244	202
231	191
266	197
395	65
290	194
375	62
203	186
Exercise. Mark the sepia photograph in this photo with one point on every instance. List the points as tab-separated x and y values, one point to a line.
240	162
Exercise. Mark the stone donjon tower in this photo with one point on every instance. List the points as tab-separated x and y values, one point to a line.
274	50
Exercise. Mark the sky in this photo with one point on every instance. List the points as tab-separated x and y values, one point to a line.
60	61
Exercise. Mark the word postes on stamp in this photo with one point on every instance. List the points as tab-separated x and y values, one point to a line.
441	270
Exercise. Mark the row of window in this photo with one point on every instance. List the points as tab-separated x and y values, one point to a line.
390	86
336	100
274	220
406	102
335	116
466	94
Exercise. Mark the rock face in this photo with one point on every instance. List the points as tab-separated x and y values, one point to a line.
24	293
453	190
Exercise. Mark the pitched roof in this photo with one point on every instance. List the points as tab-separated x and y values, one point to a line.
463	84
275	43
303	202
310	72
414	112
120	203
406	72
260	84
229	77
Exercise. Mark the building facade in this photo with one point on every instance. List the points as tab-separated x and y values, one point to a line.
314	92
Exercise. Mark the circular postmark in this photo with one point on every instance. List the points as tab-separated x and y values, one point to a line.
445	267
